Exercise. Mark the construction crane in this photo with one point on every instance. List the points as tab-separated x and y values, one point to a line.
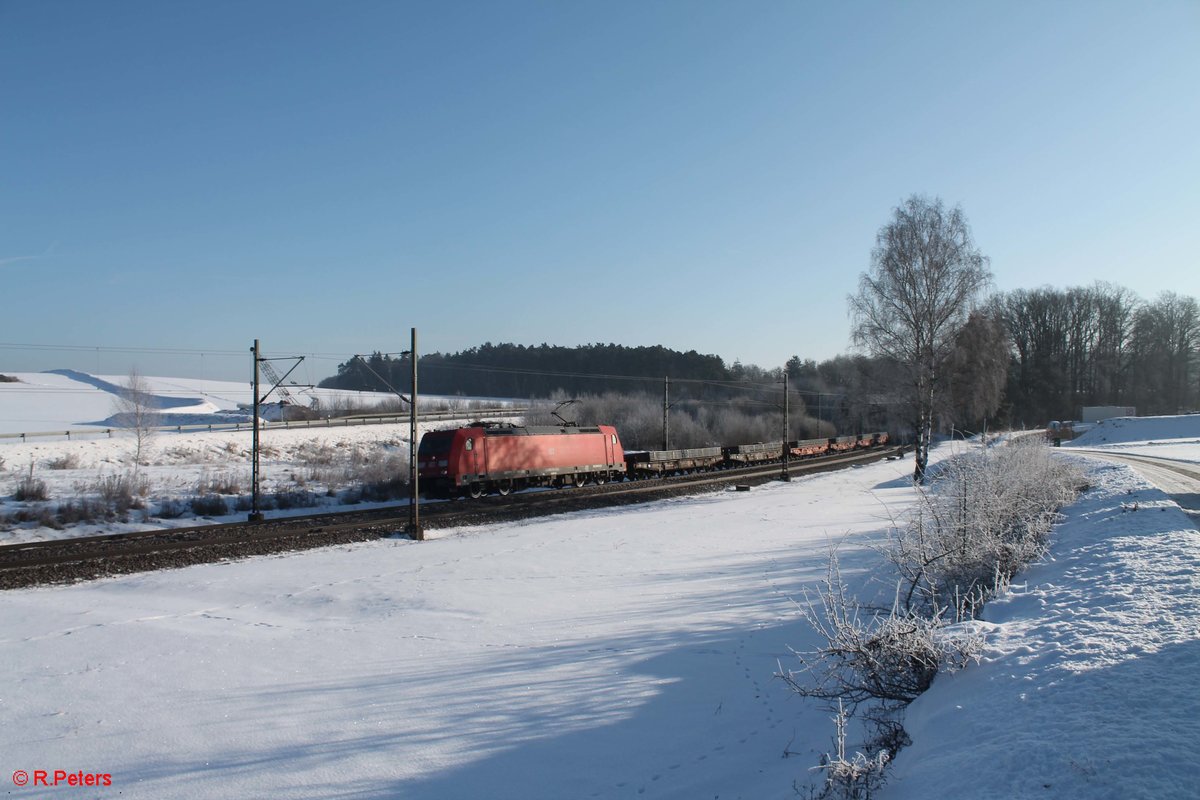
285	396
277	383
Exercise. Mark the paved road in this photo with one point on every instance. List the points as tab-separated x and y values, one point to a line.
1179	479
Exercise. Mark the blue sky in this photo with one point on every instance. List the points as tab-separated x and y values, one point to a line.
190	176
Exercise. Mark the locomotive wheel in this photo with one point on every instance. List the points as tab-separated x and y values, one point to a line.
580	479
475	490
504	487
601	478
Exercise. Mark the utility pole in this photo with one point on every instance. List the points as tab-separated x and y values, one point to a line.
414	497
666	408
255	514
785	475
414	490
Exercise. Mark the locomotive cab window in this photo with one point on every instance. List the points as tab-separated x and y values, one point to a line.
470	444
435	444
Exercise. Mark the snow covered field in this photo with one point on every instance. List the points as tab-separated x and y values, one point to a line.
186	465
316	465
625	653
65	400
611	654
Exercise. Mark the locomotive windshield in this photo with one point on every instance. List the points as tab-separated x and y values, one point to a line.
436	443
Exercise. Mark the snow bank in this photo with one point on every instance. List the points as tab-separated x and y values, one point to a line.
1088	687
1139	430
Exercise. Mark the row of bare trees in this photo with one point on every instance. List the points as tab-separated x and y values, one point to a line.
640	418
1025	357
955	358
1099	345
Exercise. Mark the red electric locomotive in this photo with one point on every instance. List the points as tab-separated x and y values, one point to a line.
489	457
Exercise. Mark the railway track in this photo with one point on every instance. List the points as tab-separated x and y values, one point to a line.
86	558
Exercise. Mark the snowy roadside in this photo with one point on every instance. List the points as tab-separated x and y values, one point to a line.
1162	437
1087	687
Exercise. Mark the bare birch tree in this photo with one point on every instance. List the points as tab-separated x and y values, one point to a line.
136	409
925	277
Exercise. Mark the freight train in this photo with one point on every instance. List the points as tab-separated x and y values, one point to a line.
496	458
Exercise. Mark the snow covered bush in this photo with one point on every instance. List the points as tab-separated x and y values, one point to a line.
855	777
986	515
209	505
293	499
40	514
317	454
122	492
378	472
170	508
30	488
224	482
64	461
877	660
379	476
889	657
83	509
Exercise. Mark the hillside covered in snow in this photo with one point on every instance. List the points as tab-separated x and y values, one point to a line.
68	400
86	478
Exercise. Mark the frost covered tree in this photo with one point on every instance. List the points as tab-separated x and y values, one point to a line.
136	409
925	278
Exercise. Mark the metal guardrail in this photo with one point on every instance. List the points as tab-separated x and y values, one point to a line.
332	422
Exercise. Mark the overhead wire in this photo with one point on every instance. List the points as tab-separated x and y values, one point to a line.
746	385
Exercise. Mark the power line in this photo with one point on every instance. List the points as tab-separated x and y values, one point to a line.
740	385
215	351
78	348
729	384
